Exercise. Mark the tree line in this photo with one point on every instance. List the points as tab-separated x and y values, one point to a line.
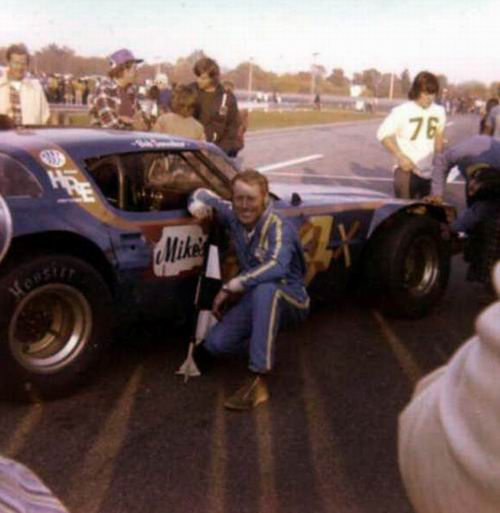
54	59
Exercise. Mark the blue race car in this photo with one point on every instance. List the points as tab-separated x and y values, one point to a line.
94	228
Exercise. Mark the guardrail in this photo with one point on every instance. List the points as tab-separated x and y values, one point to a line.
61	112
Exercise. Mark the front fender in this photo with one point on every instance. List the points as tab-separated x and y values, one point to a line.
444	213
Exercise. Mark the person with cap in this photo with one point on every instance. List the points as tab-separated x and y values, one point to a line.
269	290
217	108
115	103
22	97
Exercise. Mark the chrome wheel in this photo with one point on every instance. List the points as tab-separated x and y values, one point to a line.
421	266
50	327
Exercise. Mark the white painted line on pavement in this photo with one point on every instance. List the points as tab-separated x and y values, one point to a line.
287	163
407	361
26	427
334	177
346	177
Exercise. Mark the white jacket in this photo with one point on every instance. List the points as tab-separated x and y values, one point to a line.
34	106
449	434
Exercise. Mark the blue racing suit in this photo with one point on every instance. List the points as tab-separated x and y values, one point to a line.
272	270
476	150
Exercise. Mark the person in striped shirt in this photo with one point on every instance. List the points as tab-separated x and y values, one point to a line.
115	103
269	288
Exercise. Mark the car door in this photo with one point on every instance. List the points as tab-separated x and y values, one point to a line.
158	247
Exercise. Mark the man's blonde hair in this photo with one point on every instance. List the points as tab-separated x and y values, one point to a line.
251	177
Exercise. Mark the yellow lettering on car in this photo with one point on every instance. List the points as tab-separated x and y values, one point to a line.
315	238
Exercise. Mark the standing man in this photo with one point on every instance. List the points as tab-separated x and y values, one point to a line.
269	289
217	108
414	132
22	97
492	122
115	103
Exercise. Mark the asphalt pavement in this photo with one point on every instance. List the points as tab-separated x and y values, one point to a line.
136	438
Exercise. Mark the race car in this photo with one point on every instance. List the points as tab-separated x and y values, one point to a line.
94	228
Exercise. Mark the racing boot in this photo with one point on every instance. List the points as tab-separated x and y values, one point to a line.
251	394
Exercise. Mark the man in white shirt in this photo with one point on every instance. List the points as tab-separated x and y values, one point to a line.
414	132
22	98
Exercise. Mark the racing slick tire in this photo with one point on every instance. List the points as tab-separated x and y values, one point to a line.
408	266
55	321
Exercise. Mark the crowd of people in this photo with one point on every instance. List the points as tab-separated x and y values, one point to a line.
205	109
269	290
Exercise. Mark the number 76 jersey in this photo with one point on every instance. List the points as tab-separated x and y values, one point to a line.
415	129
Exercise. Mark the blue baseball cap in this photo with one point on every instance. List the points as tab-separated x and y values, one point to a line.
121	57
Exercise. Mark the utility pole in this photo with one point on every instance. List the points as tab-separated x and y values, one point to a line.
313	73
391	86
250	73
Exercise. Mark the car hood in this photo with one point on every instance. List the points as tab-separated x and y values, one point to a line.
311	194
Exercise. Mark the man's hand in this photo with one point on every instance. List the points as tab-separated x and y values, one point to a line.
199	210
405	163
433	200
218	306
126	120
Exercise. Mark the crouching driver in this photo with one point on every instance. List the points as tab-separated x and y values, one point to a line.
270	285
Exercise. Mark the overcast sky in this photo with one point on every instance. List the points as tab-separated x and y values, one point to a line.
459	38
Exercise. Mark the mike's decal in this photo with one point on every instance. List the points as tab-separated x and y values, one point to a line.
180	249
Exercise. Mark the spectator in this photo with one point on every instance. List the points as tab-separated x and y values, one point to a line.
239	141
317	102
449	448
269	291
181	121
149	104
483	128
413	132
115	103
161	82
217	109
85	92
22	97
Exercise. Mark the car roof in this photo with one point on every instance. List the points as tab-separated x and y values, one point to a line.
82	143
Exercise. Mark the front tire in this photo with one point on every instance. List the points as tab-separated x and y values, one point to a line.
408	266
54	323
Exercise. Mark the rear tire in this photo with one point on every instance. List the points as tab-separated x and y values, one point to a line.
407	266
55	322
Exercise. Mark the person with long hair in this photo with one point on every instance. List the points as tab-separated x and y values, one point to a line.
413	133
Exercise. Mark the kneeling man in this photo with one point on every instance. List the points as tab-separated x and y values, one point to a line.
270	284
